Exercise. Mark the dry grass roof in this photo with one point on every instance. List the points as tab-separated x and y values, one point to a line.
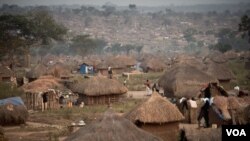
184	81
125	60
217	57
42	84
99	85
155	110
111	128
59	70
92	60
202	134
221	103
220	71
37	71
233	103
154	64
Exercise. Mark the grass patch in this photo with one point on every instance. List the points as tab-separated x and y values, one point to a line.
136	82
65	116
238	68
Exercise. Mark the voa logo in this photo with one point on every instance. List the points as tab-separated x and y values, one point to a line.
236	132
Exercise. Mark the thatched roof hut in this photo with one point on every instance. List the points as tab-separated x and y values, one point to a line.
37	71
155	110
12	111
34	90
220	72
191	133
158	116
60	70
153	64
111	128
217	57
42	84
92	60
184	81
125	60
99	90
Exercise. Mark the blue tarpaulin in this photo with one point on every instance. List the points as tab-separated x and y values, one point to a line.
12	100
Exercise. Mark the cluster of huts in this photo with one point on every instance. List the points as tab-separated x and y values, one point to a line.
157	118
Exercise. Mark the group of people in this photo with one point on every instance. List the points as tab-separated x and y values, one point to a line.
149	89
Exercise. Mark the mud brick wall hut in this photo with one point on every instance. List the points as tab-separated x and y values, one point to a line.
99	90
158	116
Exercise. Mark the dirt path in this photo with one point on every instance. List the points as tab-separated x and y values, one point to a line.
137	94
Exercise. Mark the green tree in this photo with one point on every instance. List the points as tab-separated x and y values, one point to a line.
20	32
244	26
83	45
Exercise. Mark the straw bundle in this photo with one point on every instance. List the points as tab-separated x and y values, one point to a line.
111	128
99	85
155	110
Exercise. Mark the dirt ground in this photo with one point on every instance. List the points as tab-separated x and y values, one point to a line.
54	125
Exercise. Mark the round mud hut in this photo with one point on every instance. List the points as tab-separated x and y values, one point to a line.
158	116
99	90
12	111
184	81
60	70
111	128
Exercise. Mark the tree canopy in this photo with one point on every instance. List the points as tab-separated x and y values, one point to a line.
19	32
244	26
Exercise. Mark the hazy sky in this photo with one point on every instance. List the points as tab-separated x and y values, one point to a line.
120	2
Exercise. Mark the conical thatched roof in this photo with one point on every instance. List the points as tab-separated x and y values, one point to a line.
125	60
192	61
233	103
155	110
217	57
221	103
111	128
184	81
99	85
92	60
110	61
59	70
37	71
220	71
42	84
153	64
